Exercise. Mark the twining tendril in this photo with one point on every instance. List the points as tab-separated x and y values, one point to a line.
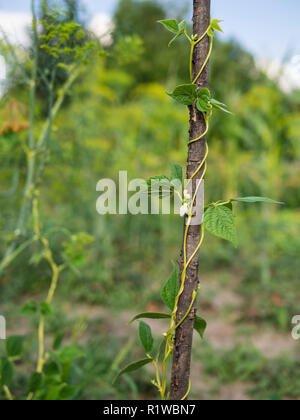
169	336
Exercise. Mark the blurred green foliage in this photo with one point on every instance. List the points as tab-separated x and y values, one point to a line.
118	117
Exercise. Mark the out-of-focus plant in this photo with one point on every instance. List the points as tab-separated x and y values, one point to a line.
50	380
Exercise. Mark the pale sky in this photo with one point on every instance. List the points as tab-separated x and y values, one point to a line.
269	29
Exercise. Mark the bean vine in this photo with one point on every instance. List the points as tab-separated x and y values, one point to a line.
218	217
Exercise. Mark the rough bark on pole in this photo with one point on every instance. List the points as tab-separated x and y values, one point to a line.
184	333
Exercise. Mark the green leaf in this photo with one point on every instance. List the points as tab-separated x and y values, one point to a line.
68	392
171	25
182	28
157	179
174	39
185	94
214	26
133	367
203	93
203	102
6	371
171	289
146	336
14	346
200	326
37	258
46	309
150	315
53	368
35	382
219	221
159	185
53	393
177	172
71	353
30	308
256	200
58	341
220	106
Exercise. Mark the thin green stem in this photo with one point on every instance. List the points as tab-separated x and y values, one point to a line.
206	60
8	393
7	260
191	59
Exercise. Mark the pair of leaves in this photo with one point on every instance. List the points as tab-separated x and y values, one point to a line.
219	219
214	26
199	325
146	338
169	293
173	26
31	308
220	106
205	102
187	94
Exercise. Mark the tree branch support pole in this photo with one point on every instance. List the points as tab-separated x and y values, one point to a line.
184	334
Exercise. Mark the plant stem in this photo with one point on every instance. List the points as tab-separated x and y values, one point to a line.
8	394
31	158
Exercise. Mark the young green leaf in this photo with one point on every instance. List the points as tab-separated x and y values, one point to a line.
171	25
200	326
30	308
185	94
6	371
157	179
71	353
46	309
219	221
35	382
177	172
14	346
203	101
174	39
68	393
150	315
181	30
146	336
159	185
171	288
220	106
214	26
53	368
58	340
256	200
133	366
